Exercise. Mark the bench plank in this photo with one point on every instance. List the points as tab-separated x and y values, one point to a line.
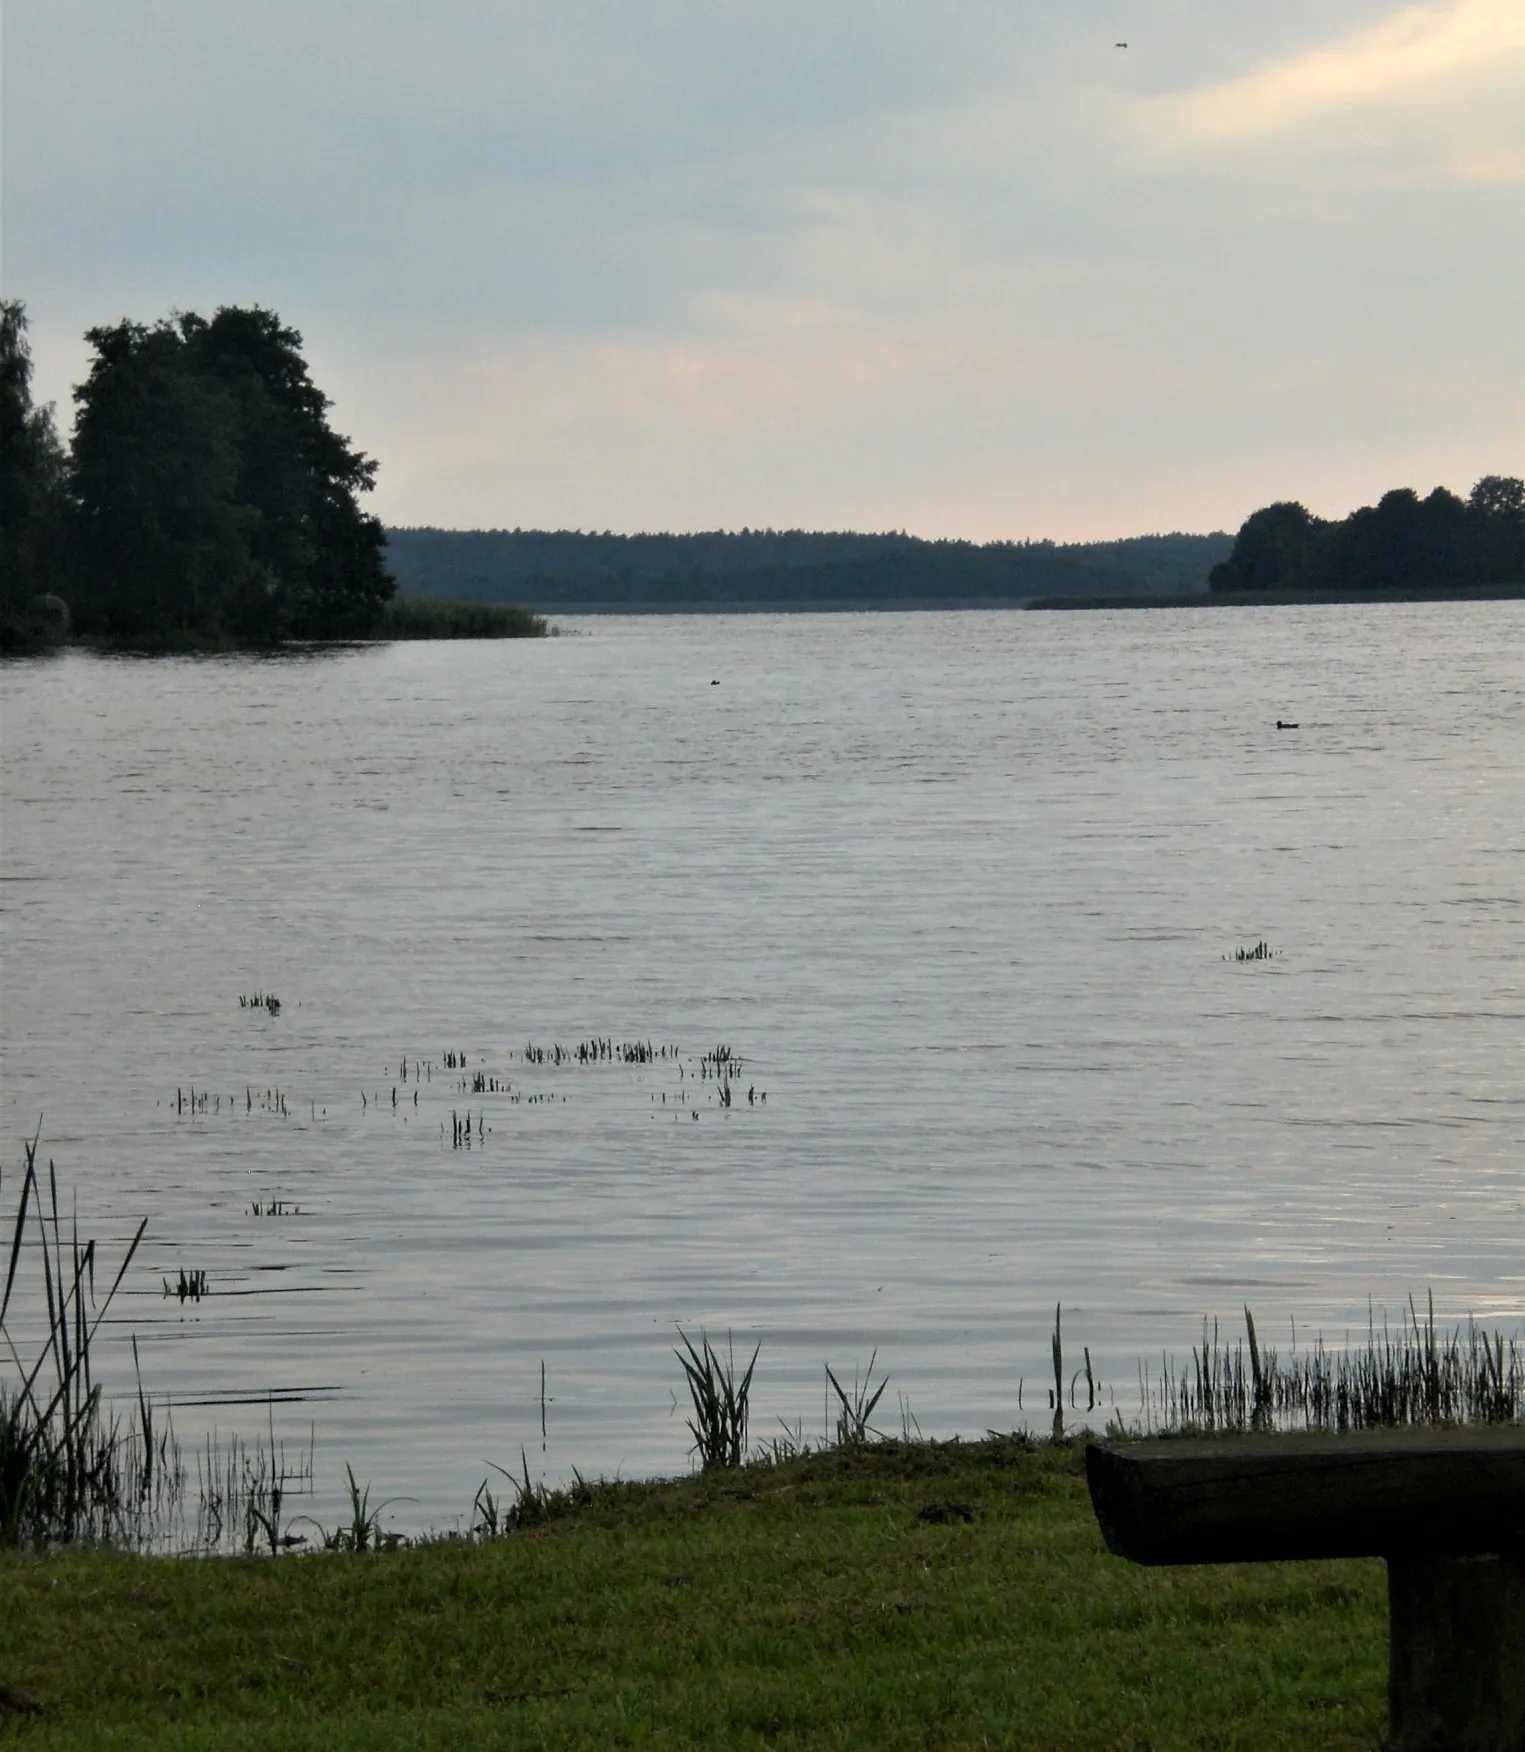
1258	1498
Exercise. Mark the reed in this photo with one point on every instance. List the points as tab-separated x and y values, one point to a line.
243	1495
66	1471
720	1399
363	1531
1261	952
1418	1376
419	617
1056	1353
855	1408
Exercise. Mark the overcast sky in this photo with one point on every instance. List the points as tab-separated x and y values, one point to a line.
961	268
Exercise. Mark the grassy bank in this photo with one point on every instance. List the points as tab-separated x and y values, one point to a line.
934	1595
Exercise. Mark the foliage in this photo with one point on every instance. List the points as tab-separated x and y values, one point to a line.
1402	544
213	499
32	506
1271	548
954	1595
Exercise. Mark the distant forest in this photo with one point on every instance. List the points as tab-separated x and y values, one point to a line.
793	568
1402	545
205	500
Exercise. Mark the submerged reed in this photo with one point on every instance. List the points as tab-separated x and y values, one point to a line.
1418	1376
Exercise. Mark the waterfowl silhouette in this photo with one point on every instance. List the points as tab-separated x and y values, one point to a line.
1281	726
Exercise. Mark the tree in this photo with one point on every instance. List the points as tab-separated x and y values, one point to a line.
1272	548
1401	545
214	499
1497	514
33	557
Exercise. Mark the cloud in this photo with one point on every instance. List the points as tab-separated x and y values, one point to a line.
961	266
1487	167
1417	48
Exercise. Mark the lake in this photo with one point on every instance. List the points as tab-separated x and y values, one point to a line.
962	892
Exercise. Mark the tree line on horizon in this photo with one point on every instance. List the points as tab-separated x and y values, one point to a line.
204	499
1402	544
758	568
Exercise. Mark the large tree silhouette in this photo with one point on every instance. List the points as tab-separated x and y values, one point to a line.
212	495
1400	545
32	509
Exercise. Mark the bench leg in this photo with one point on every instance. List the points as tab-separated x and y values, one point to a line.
1456	1674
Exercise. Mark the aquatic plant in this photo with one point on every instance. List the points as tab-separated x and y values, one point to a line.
720	1399
416	617
65	1470
243	1492
1417	1376
363	1532
1261	952
1056	1392
855	1408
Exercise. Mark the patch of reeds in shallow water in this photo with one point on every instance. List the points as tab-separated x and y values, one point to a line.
68	1470
73	1469
1417	1376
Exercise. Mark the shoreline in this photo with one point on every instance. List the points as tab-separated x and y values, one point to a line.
466	626
891	1595
1282	598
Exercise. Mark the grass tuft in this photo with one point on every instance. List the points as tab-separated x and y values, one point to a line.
855	1408
719	1423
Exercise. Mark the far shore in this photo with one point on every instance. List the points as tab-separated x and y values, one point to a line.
1283	598
967	604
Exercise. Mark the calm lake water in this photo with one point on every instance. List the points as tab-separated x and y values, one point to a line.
961	890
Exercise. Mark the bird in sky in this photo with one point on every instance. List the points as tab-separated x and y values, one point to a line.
1119	45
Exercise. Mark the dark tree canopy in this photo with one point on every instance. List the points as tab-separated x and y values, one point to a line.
213	498
1271	548
32	506
1402	544
762	568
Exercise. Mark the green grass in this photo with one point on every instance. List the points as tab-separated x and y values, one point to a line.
888	1595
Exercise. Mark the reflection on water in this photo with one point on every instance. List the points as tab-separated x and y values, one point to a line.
964	894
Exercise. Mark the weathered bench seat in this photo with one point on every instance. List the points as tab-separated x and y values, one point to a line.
1445	1508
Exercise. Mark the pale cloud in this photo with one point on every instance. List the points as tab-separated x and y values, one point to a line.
1487	167
1417	48
960	267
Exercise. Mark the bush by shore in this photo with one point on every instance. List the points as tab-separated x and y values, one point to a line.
416	617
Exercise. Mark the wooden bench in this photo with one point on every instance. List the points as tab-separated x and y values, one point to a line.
1445	1508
